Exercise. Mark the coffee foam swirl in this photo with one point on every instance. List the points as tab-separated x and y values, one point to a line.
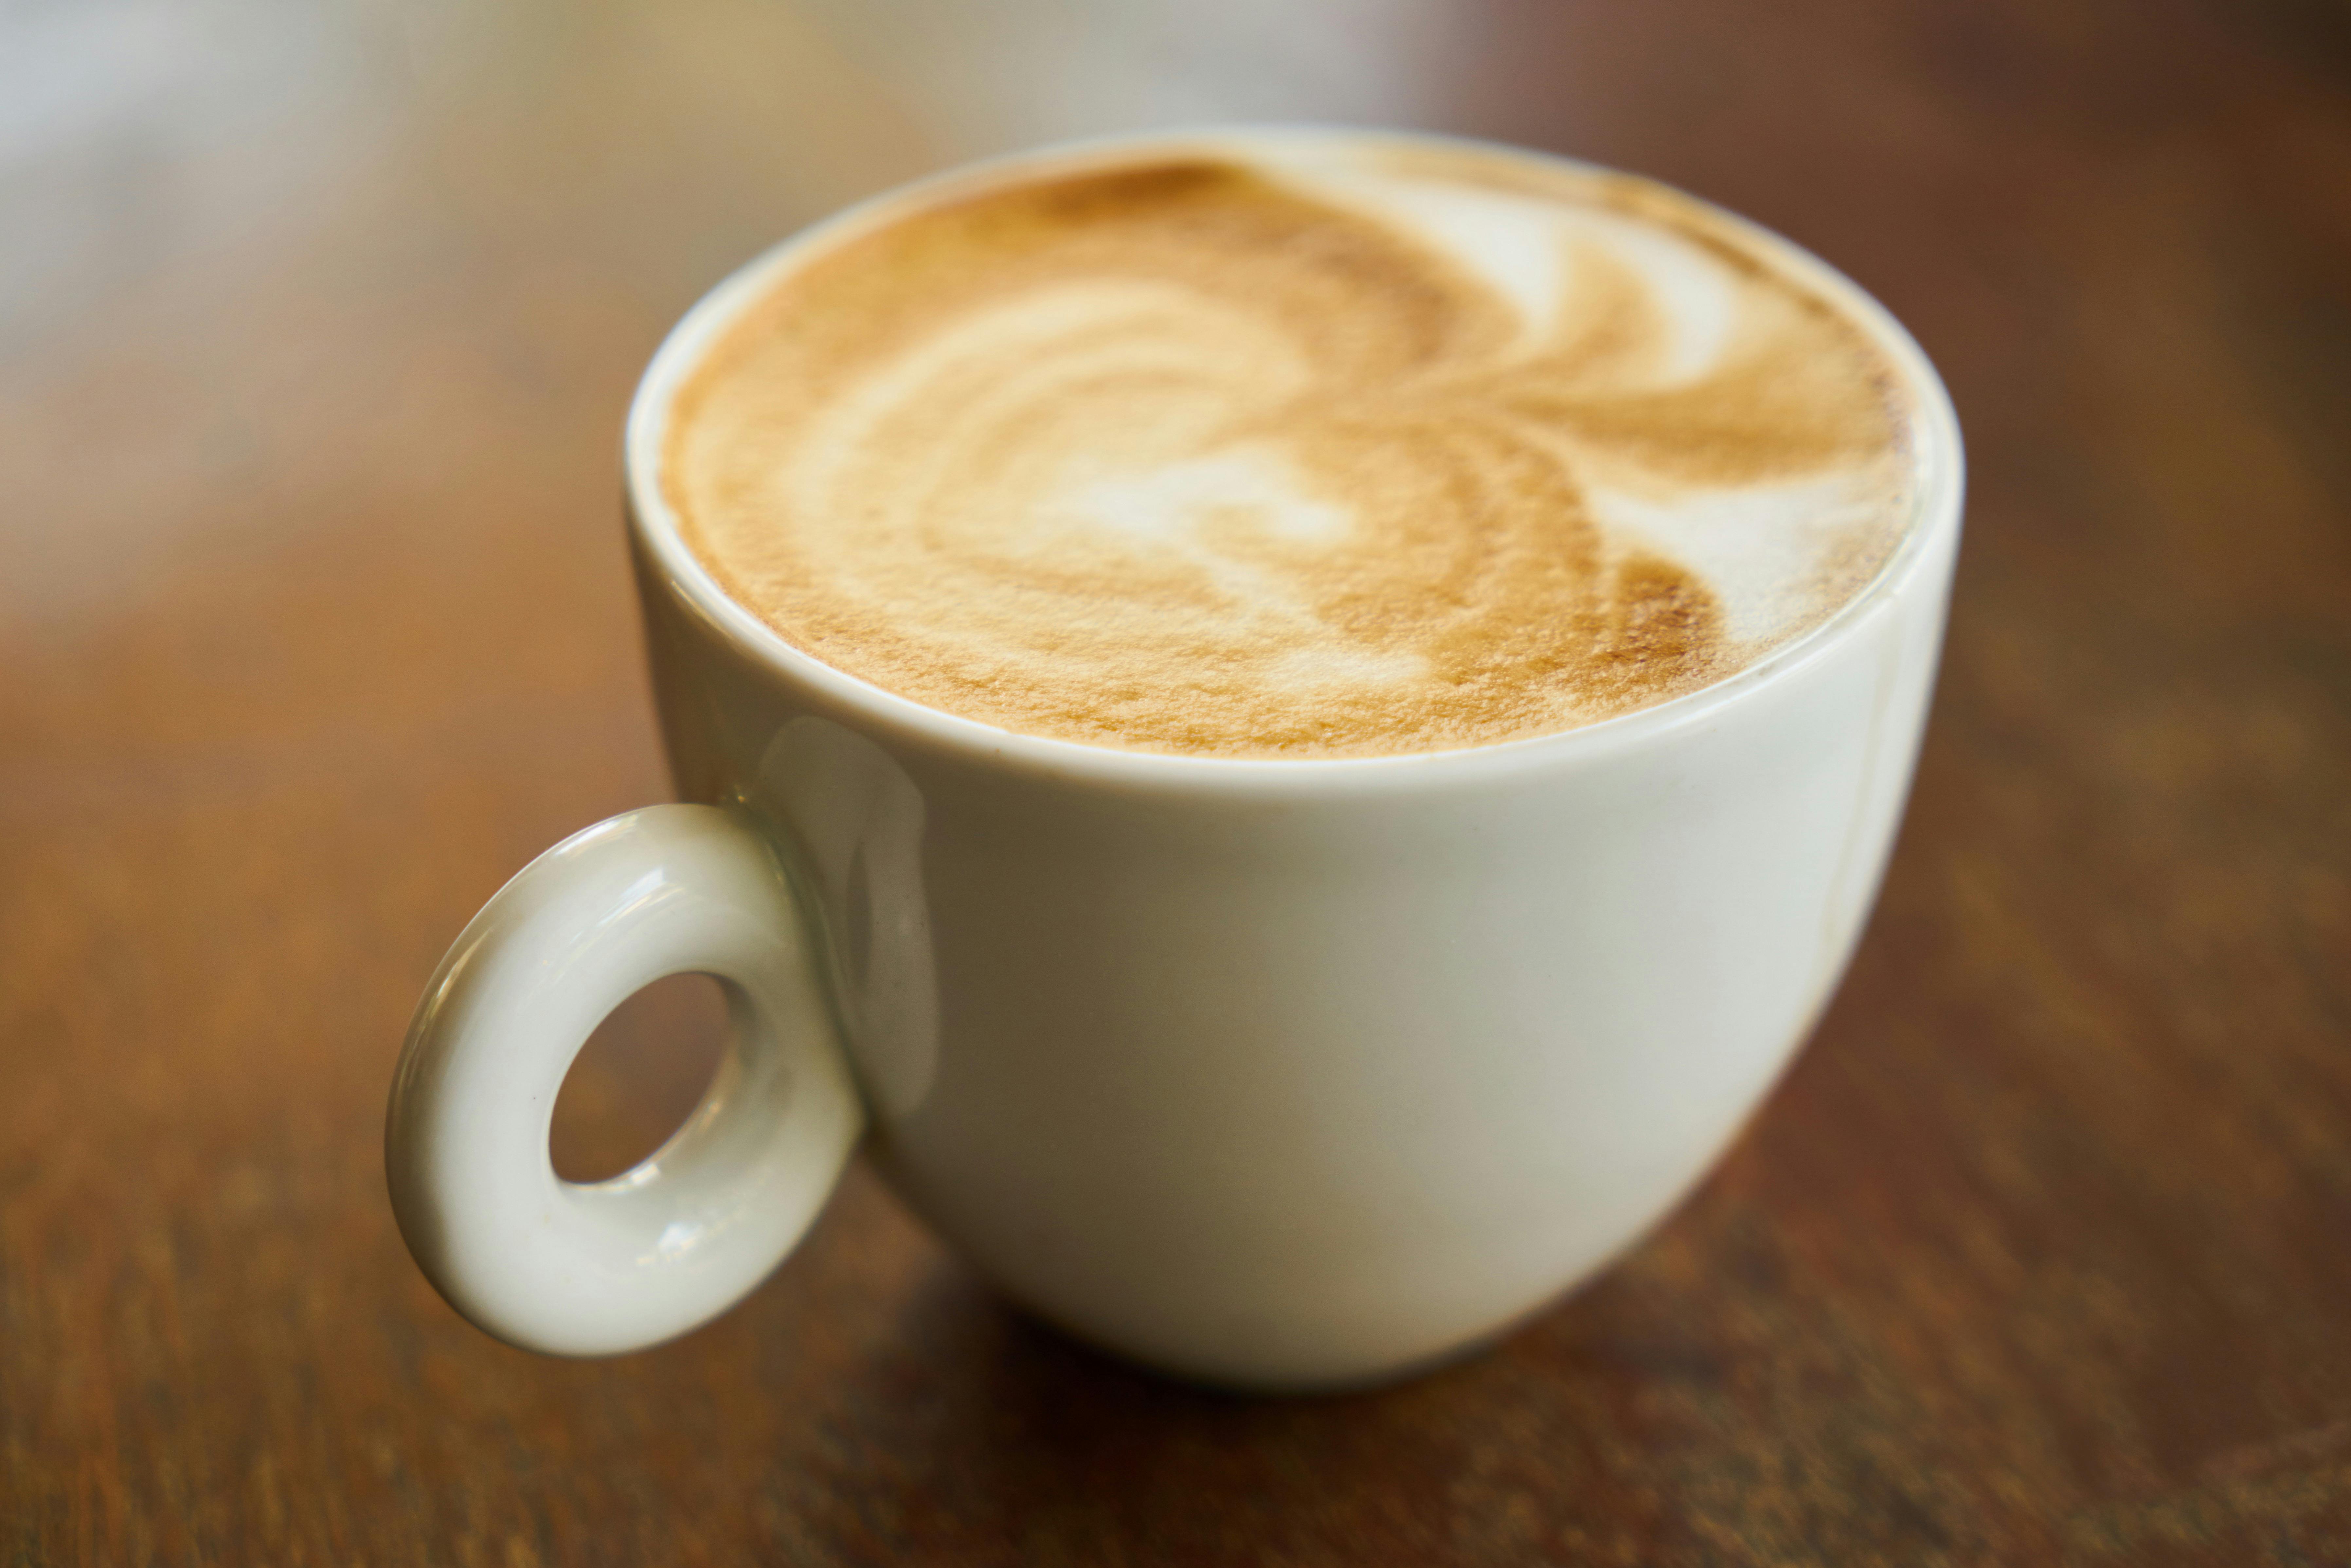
1336	452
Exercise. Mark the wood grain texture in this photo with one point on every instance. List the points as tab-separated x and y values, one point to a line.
316	327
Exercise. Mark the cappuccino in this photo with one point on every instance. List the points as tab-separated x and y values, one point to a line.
1293	446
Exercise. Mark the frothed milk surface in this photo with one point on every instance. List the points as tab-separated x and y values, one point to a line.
1310	446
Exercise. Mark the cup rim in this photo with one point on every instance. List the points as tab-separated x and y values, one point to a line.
1936	505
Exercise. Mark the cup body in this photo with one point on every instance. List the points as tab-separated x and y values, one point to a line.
1302	1073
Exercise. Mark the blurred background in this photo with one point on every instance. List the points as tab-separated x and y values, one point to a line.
318	321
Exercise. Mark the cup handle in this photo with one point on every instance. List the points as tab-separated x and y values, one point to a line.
598	1267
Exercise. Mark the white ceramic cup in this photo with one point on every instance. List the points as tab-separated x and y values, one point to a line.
1284	1074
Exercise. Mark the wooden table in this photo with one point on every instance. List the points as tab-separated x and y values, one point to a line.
316	327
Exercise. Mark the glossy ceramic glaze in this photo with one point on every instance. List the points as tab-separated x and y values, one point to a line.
589	1269
1282	1075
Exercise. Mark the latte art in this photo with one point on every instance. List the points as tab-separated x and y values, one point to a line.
1312	448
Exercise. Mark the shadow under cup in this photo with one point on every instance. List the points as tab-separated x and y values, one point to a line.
1296	1073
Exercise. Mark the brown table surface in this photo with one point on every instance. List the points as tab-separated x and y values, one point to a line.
316	327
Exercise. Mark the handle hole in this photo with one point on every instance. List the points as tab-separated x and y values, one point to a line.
639	1077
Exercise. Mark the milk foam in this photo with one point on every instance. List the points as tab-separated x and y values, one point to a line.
1293	447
